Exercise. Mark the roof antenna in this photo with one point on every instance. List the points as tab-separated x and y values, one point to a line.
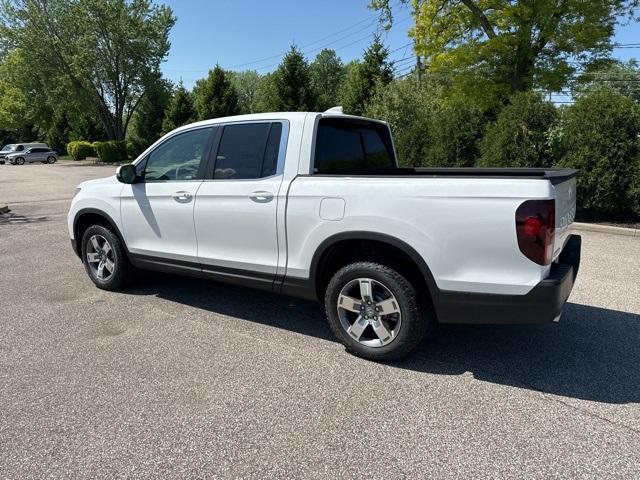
336	110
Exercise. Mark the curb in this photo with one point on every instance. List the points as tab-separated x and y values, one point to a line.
594	227
4	209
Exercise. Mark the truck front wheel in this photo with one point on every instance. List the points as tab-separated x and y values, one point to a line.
104	258
375	311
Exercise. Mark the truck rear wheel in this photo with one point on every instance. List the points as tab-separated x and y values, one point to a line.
375	311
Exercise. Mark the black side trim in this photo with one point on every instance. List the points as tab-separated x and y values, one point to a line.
245	278
541	305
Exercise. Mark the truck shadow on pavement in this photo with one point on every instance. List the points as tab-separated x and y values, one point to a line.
592	354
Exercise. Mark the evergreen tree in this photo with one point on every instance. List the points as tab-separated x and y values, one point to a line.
146	125
180	110
215	96
363	77
327	74
292	83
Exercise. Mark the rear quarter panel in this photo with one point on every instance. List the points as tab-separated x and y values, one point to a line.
463	228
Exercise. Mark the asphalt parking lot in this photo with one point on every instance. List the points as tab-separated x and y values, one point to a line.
187	378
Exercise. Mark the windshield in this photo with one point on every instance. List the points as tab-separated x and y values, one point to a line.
8	148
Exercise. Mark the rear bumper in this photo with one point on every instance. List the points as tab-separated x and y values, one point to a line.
542	304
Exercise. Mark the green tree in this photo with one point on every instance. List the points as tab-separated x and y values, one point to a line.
501	47
620	77
247	86
408	108
291	90
267	96
362	78
600	134
180	110
456	129
14	107
146	124
519	137
215	96
96	52
327	74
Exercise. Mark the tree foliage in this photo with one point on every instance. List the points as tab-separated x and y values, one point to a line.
215	96
146	124
364	77
519	137
247	86
600	134
327	75
180	110
98	51
506	46
289	87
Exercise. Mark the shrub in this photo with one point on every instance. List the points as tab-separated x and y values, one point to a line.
600	136
112	151
519	135
456	129
134	148
80	150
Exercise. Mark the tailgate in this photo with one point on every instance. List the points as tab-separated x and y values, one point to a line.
565	212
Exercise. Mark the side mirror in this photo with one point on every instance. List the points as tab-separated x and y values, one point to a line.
127	174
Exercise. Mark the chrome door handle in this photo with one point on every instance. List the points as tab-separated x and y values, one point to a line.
184	196
261	196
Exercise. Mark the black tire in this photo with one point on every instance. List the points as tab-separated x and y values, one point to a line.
19	161
417	316
122	271
50	160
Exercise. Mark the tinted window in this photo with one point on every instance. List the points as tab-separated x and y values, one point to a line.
248	150
352	146
178	158
39	150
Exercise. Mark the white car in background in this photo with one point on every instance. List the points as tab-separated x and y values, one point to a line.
315	205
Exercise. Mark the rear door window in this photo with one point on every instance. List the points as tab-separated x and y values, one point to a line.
248	151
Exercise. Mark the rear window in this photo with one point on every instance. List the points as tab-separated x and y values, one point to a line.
352	146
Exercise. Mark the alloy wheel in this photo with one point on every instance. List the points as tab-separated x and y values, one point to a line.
369	312
100	257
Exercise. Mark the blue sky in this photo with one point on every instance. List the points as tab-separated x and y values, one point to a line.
253	34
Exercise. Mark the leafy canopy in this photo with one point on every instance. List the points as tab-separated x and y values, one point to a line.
503	46
99	51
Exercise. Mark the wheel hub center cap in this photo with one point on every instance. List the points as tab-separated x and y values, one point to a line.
370	311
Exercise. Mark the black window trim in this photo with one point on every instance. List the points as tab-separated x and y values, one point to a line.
282	150
205	154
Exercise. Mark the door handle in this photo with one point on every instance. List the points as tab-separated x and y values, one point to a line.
261	196
182	196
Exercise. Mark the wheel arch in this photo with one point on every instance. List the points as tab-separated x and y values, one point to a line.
86	217
318	268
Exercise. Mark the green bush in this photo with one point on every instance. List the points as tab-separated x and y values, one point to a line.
112	151
80	150
600	135
408	109
134	148
519	135
456	129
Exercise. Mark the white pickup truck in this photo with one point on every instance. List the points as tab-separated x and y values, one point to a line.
315	205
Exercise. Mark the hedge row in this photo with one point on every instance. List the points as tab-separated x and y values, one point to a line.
111	151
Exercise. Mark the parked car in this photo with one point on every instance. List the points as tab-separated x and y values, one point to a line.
18	147
31	155
315	205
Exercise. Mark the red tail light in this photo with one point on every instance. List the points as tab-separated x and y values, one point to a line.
535	226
